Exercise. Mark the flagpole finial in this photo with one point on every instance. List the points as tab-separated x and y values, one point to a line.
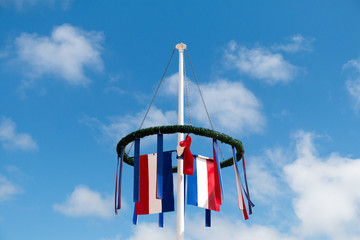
181	47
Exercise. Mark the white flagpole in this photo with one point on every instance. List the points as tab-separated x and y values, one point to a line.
180	202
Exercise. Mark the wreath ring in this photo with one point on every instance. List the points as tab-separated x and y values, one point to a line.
170	129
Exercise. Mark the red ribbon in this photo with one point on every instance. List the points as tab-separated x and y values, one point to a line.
187	156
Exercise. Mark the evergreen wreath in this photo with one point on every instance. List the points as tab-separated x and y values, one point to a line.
170	129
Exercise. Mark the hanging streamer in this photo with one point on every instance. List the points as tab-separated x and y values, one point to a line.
241	202
247	193
136	169
118	181
161	220
218	180
135	217
159	189
168	201
248	197
207	218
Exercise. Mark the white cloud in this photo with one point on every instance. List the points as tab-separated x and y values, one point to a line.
84	202
8	189
353	83
328	199
120	126
231	106
66	53
222	228
11	139
354	63
298	43
152	231
259	63
353	87
265	184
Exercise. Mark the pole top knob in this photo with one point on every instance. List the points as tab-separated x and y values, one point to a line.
181	47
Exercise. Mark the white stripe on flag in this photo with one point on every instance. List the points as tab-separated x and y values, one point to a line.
154	203
202	181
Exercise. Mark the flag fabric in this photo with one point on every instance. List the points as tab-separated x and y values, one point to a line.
159	171
136	170
201	187
148	202
219	195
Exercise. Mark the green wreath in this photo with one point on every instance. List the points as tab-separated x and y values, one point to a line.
181	129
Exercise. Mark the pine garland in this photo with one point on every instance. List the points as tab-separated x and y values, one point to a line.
182	129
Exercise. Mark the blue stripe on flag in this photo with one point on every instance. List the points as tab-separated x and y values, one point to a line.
168	186
159	192
136	169
192	192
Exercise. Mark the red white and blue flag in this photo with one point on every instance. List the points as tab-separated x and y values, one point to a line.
148	202
204	186
201	190
153	182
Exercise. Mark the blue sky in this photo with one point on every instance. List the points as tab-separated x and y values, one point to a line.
282	76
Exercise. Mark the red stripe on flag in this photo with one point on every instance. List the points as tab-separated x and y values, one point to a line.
213	205
142	207
211	184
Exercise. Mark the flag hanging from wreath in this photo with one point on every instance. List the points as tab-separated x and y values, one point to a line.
153	181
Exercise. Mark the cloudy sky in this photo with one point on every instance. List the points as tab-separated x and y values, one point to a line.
281	76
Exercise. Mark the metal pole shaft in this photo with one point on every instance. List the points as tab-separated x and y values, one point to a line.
180	202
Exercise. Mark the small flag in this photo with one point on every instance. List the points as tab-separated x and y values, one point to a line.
201	186
148	202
